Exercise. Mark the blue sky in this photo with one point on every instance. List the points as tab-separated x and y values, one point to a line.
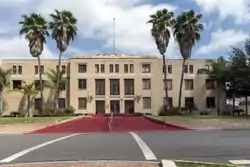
224	26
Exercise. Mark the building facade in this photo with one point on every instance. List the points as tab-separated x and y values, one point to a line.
119	83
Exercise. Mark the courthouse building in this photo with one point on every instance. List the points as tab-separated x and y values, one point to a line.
121	83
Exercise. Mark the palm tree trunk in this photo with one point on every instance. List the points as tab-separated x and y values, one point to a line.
41	84
218	101
246	99
234	101
57	82
165	81
29	107
1	103
181	85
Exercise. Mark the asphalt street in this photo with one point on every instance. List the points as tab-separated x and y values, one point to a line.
211	146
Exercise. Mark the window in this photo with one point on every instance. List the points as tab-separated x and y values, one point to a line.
82	103
146	101
102	68
170	101
189	84
169	84
117	68
16	84
99	86
129	86
210	102
186	69
125	68
37	84
14	70
146	84
189	102
96	68
61	103
210	84
41	69
170	69
82	68
20	69
191	69
38	104
114	86
145	68
111	68
82	83
62	86
64	69
131	68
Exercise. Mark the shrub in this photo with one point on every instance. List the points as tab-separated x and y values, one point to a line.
168	112
57	113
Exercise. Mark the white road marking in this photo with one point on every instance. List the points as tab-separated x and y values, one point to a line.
19	154
147	152
167	163
240	162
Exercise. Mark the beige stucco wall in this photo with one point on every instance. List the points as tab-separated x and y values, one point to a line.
12	100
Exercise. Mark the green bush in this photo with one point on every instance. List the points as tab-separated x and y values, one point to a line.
57	113
168	112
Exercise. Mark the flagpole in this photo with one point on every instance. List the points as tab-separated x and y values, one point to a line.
114	44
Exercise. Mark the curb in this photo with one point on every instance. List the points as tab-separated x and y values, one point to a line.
164	123
201	162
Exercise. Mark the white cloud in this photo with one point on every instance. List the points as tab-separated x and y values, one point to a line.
221	40
96	22
239	9
13	48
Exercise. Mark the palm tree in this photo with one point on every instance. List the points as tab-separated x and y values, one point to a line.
35	29
161	23
4	82
187	31
219	72
64	29
52	81
29	90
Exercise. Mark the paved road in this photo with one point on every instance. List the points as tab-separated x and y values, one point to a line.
213	146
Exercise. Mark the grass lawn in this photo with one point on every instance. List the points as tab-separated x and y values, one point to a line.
191	117
14	120
190	164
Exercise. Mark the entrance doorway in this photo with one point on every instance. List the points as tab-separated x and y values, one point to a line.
100	106
129	106
115	106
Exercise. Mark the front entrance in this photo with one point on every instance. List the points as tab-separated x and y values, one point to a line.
115	106
129	106
100	106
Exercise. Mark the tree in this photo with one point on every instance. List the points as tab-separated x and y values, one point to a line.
240	71
219	72
35	29
64	30
29	90
52	81
4	82
161	23
187	31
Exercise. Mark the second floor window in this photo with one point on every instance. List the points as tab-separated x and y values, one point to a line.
131	68
170	69
97	68
102	68
14	70
125	68
189	84
146	84
168	83
191	69
63	69
82	84
111	68
114	86
100	86
129	86
20	69
117	68
210	84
